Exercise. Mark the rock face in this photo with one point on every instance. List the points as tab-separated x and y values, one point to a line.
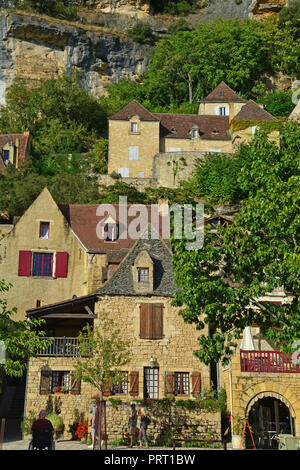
37	48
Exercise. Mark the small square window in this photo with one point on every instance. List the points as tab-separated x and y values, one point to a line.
134	127
194	133
143	274
221	93
44	230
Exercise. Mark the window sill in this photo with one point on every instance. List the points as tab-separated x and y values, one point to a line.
134	133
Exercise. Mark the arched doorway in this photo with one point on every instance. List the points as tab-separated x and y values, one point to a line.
269	415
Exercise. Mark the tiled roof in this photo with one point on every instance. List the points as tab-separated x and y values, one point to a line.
179	126
223	93
252	112
134	108
121	283
84	220
24	140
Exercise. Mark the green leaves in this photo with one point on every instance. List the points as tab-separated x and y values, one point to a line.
221	284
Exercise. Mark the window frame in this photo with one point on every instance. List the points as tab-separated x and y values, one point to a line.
141	272
183	379
43	255
42	224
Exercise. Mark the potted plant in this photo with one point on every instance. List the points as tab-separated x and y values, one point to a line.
57	389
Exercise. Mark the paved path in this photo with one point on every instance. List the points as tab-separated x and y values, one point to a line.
76	445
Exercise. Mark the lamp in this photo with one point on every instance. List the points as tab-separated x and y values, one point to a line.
152	362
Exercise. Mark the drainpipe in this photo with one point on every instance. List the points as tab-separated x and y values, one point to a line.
231	400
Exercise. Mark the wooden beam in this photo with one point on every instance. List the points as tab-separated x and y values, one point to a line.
69	315
89	311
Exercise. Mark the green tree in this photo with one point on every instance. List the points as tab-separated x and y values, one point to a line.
103	355
18	339
289	18
141	32
279	102
220	285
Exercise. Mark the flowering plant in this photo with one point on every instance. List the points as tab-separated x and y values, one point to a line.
82	430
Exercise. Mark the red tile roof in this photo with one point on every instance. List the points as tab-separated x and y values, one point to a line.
252	112
134	108
24	141
84	220
179	126
223	93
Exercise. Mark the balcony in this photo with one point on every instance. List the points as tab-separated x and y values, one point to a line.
268	361
61	347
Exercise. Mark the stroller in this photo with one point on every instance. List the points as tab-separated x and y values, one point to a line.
42	439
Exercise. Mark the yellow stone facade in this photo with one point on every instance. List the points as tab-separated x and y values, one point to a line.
84	270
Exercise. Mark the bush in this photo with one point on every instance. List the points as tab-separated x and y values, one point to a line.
141	32
57	423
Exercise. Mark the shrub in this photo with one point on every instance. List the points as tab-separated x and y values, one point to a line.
57	423
141	32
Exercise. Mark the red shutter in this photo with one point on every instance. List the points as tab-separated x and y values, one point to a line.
24	263
134	384
61	268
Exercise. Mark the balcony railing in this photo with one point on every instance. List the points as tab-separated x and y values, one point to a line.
267	361
61	347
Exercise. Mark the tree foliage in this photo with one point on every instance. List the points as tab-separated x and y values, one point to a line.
18	337
221	284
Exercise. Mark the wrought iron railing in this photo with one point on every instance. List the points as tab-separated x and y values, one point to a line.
268	361
61	347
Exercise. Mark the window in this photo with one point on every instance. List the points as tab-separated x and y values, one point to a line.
60	379
151	382
44	230
110	232
181	383
134	127
194	133
141	174
143	274
221	93
121	387
174	149
6	156
133	152
42	264
124	172
151	321
222	111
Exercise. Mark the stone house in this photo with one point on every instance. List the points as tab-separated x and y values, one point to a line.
14	148
154	145
139	298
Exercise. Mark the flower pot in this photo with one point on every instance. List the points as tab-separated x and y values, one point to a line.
237	441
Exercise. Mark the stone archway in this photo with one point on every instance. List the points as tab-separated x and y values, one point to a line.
270	414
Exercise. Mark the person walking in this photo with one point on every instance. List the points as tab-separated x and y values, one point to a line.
132	423
145	420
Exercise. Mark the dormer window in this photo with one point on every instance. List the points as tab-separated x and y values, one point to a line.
194	133
143	274
221	93
6	156
110	232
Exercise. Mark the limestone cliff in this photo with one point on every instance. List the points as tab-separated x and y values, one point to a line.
36	47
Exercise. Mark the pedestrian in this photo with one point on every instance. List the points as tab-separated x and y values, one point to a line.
145	420
132	423
42	423
93	424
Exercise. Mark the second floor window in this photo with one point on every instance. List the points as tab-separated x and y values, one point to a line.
134	127
151	321
42	264
222	111
44	230
133	152
143	274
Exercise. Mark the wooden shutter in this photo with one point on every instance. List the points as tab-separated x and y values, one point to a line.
107	389
157	321
134	384
61	268
151	321
75	385
196	383
45	385
169	383
145	321
24	263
